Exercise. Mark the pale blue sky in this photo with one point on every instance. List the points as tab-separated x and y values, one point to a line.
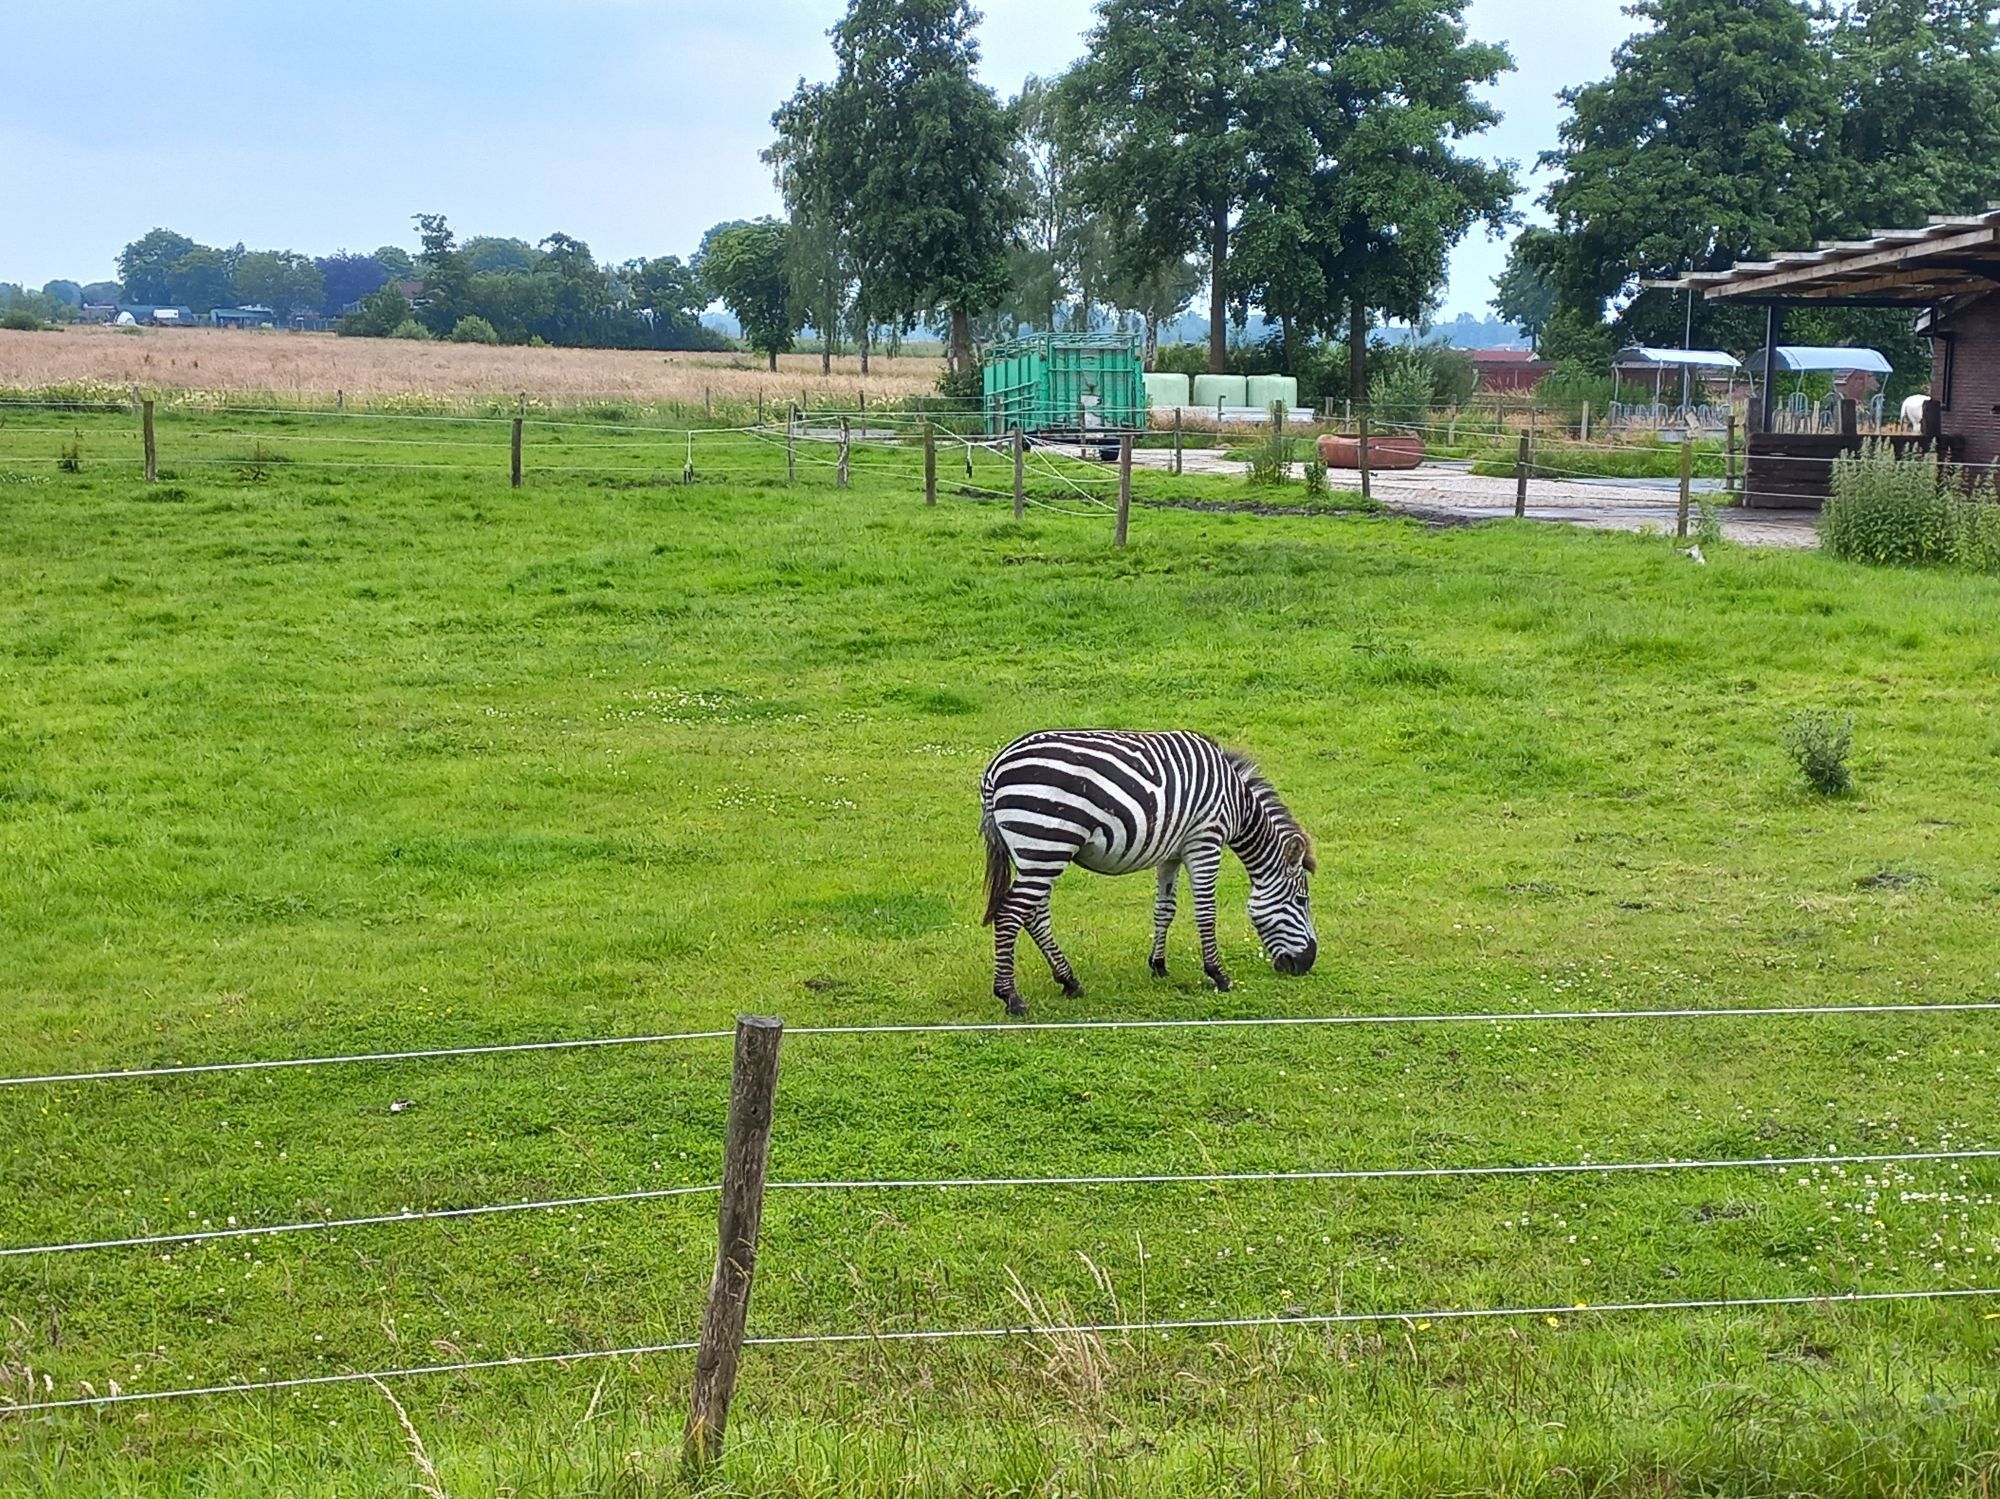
632	124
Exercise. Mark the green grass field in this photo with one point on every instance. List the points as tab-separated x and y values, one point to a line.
302	759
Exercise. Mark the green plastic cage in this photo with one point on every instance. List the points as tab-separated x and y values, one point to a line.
1066	384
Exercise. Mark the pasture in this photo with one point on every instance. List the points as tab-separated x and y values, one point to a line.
302	759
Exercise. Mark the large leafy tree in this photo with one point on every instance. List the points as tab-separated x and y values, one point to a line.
1171	104
144	265
282	280
447	280
744	266
819	245
203	279
1711	142
907	150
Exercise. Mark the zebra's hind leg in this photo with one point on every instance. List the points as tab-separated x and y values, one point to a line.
1017	911
1043	931
1163	914
1203	865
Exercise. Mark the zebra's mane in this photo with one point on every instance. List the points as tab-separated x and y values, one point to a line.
1266	796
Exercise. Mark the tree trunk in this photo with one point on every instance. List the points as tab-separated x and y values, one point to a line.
961	340
867	340
1291	352
1218	290
825	357
1152	340
773	355
1357	352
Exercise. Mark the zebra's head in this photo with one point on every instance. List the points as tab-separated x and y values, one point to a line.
1281	904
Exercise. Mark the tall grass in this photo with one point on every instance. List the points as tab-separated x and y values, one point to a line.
1909	513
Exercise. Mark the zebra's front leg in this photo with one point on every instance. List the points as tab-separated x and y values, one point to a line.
1203	866
1043	931
1163	914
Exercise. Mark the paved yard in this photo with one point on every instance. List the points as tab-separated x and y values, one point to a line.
1446	491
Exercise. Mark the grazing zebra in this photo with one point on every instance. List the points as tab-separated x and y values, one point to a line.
1117	802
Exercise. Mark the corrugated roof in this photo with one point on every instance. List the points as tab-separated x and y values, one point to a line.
1952	255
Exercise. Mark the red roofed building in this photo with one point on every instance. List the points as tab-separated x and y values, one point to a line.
1508	371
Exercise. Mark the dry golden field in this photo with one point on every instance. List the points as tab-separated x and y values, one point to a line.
316	365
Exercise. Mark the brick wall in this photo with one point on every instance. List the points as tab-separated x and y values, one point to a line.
1974	412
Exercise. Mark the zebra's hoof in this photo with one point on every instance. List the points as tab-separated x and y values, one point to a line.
1072	988
1159	968
1013	1004
1218	978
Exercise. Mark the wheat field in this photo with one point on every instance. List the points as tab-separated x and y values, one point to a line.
316	365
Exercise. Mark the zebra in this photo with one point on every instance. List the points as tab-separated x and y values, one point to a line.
1117	802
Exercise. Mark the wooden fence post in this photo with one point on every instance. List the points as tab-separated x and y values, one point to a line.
1451	432
1362	456
753	1085
1124	488
152	453
340	400
133	390
1177	441
1729	456
1521	480
1020	484
930	463
1687	473
842	475
707	402
1584	434
516	466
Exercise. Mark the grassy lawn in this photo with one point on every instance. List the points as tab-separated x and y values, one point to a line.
300	759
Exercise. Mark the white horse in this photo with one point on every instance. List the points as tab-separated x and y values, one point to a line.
1913	412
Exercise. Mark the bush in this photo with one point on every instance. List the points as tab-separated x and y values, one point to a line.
1819	742
968	384
1315	475
413	330
1401	394
20	320
380	314
474	330
1907	513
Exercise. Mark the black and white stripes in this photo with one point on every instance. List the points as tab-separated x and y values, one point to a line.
1117	802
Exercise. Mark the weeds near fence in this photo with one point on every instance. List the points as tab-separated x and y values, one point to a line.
1819	743
1908	513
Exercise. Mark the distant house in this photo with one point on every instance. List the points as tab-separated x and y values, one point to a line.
253	316
149	315
97	312
1508	371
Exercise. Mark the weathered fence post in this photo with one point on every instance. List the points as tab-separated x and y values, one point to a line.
152	453
1584	432
842	475
1361	456
1020	482
792	445
760	408
707	402
1177	441
1451	432
930	463
753	1085
1687	474
1729	456
1521	480
1124	488
340	400
516	465
134	392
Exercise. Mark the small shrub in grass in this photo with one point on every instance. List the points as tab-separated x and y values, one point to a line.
412	330
70	459
1819	743
1315	476
20	320
473	330
1707	526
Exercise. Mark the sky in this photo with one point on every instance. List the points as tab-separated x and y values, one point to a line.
631	124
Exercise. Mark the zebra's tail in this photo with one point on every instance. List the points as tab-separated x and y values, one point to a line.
999	867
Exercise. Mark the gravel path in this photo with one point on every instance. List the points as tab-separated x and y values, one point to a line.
1447	492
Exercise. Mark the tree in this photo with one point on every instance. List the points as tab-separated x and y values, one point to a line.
1156	292
69	293
818	247
347	278
381	312
282	280
103	294
485	252
1170	102
1525	293
666	287
743	266
144	264
907	150
202	279
445	277
1710	143
396	262
579	289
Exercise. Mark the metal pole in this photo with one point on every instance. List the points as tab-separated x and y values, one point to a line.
1020	485
930	464
1687	470
1124	488
1521	480
1362	455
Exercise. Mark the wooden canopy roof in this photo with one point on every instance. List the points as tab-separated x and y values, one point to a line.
1950	257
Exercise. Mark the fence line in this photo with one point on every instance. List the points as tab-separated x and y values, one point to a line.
1223	1022
1036	1330
1010	1183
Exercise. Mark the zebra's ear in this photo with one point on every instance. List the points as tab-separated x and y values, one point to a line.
1297	851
